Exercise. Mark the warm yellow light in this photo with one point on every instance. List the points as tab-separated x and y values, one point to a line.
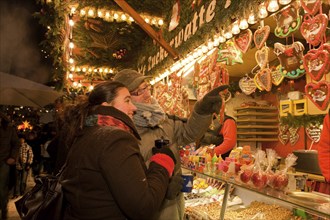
262	11
243	24
160	22
273	6
235	29
284	2
91	12
71	22
252	19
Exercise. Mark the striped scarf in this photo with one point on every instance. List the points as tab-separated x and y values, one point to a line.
148	115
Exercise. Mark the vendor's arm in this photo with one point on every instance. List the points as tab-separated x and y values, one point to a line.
229	133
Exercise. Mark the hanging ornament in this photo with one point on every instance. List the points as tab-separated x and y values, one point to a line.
243	40
261	35
229	54
313	28
264	79
311	6
277	77
283	135
261	57
175	19
318	93
313	131
247	85
288	21
294	136
228	3
317	62
290	57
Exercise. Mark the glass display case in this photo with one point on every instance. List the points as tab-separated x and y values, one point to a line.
302	205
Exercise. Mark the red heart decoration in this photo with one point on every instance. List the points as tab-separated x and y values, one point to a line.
310	6
243	40
313	29
318	93
316	63
260	36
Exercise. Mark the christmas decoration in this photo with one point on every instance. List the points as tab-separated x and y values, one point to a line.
288	21
317	62
318	93
311	7
247	85
313	28
243	40
260	36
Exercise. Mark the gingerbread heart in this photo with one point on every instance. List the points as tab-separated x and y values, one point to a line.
311	6
258	83
313	29
277	77
318	93
265	79
313	132
294	136
262	57
288	21
247	85
316	63
283	135
243	40
261	35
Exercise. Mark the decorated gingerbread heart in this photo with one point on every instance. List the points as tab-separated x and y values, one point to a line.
318	93
258	83
260	36
247	85
294	136
283	135
291	59
313	132
262	57
277	77
243	40
265	79
317	63
311	6
288	21
313	28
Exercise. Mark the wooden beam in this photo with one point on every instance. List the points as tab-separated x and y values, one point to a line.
147	28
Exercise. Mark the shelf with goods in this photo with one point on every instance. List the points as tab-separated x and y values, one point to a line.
257	123
266	202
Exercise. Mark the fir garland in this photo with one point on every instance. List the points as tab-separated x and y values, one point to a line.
301	121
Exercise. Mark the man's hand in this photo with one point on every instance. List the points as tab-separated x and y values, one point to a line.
211	102
174	188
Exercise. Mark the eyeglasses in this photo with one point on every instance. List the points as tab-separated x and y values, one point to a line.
141	91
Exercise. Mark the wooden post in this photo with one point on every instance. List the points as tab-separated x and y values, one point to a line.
147	28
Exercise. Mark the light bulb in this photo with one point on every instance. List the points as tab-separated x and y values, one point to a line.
273	6
284	2
90	13
252	19
243	24
235	29
262	11
222	39
228	35
123	17
160	22
71	45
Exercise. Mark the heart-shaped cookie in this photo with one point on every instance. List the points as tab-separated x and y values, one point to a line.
313	132
277	77
261	35
311	6
247	85
265	79
317	63
283	135
258	83
243	40
262	57
318	93
294	136
313	29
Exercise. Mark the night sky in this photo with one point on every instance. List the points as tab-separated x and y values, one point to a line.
20	36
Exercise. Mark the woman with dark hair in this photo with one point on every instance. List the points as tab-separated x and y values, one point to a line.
105	176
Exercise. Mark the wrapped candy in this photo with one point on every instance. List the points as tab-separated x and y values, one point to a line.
281	178
259	177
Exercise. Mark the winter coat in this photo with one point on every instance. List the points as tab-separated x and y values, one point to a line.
179	132
25	156
106	177
9	143
324	148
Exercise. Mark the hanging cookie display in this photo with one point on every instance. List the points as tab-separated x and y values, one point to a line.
229	54
291	59
261	35
284	134
277	77
317	62
311	6
243	40
263	79
261	57
318	93
294	136
288	21
313	28
313	131
247	85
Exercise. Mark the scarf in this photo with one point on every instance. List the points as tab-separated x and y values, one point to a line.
106	120
148	115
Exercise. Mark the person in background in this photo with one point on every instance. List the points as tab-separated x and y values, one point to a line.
23	165
153	123
33	139
9	145
323	148
105	176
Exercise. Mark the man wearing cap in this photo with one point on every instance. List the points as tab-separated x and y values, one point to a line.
153	123
9	146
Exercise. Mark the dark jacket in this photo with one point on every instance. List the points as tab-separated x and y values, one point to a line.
106	177
9	143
